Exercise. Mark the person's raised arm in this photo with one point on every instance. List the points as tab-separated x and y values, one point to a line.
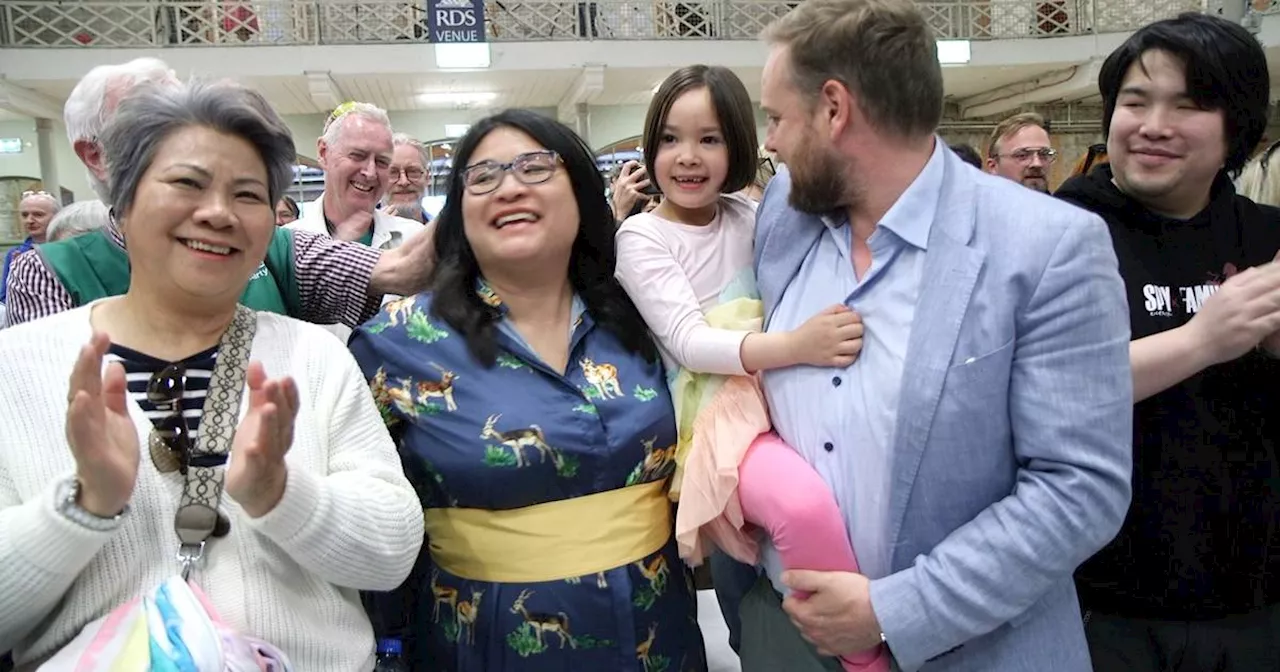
666	300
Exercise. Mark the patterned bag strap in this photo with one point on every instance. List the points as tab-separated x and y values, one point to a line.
197	516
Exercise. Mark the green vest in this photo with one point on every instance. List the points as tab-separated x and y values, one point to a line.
91	267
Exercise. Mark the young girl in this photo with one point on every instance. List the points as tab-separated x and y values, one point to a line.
688	267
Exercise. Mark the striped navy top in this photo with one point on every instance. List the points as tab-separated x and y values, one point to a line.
139	368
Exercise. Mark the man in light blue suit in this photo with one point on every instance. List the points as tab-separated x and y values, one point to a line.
980	447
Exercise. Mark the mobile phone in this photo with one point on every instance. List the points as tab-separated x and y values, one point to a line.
639	167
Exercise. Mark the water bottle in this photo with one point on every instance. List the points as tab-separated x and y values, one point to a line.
389	657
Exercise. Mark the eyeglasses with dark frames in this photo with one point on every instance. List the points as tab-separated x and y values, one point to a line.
529	168
412	174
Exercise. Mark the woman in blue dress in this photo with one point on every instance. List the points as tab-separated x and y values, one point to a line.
532	416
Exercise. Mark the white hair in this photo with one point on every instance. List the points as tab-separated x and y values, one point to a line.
400	139
78	218
338	119
97	95
94	100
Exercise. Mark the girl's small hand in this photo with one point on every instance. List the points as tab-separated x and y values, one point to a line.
833	338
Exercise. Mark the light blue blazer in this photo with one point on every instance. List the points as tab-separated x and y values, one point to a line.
1013	448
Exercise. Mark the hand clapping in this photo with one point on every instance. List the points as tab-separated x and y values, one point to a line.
1243	313
102	436
256	470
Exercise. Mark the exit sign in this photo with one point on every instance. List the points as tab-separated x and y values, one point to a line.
10	145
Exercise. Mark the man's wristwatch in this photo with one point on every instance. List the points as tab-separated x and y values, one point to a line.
65	500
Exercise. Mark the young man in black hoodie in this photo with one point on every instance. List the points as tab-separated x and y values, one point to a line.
1192	582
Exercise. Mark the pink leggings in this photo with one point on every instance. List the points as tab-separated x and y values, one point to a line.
782	494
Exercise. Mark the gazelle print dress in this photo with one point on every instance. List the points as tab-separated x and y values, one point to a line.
514	435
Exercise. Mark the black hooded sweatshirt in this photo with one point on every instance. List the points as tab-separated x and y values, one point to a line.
1200	540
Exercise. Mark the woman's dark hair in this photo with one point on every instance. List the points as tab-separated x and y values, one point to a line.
967	154
591	262
1226	69
292	205
733	110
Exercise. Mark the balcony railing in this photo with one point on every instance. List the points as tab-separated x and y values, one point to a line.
174	23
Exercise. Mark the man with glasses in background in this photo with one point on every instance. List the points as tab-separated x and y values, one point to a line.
408	179
1020	150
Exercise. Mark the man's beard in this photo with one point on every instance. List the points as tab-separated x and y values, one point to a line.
818	181
409	209
1036	180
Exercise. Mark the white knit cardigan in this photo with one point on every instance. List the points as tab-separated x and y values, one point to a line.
348	521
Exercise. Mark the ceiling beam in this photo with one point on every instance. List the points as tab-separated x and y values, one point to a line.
24	101
325	92
586	87
1074	83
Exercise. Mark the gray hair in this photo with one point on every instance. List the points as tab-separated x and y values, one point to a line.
149	116
97	95
399	139
338	119
76	219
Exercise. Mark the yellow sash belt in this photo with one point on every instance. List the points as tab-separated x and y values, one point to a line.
554	540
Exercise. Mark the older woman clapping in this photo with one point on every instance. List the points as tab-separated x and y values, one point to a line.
168	380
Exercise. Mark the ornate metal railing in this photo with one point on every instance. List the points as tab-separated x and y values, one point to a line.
179	23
